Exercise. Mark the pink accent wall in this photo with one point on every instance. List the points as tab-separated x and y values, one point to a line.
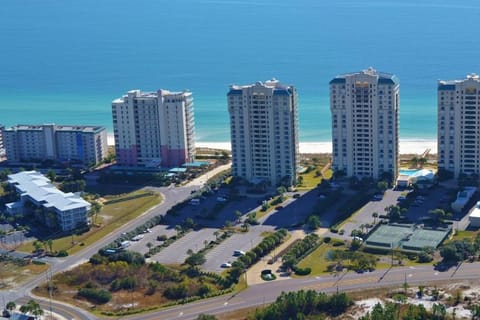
173	157
127	157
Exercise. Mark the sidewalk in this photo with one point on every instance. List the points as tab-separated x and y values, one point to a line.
202	180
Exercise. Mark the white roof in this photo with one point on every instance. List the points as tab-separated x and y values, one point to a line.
39	188
475	213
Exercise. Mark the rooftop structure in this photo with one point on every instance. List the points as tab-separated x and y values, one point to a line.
85	144
33	187
364	107
154	129
264	132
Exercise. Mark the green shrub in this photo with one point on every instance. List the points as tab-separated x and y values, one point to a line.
62	253
302	271
95	295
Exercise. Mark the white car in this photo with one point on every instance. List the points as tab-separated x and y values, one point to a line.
226	265
220	199
357	238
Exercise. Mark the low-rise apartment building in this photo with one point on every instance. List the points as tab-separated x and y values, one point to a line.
84	144
69	211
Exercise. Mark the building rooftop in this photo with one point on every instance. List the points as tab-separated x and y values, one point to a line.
383	77
272	84
39	188
138	94
65	128
450	84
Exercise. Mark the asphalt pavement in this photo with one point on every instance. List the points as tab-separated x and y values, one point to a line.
238	241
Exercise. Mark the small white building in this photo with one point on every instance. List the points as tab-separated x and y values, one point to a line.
474	216
462	198
70	209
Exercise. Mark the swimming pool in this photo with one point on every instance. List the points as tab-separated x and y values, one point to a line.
408	172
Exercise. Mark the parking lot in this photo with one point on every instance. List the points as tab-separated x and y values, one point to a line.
176	253
151	237
239	241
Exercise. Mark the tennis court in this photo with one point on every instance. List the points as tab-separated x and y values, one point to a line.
406	237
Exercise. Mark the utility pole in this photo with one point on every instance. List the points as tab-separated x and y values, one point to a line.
392	254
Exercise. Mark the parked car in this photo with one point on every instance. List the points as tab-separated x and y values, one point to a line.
226	265
278	207
238	253
378	197
220	199
401	198
297	195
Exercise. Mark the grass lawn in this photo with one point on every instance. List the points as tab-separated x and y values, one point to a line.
312	178
319	263
317	260
464	234
113	215
12	274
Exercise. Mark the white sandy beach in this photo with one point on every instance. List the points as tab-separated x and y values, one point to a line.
407	146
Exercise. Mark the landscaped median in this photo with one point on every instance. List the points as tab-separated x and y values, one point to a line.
117	211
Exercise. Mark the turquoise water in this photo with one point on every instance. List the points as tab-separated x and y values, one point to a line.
407	172
64	61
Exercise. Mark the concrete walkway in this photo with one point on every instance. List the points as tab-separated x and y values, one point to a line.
202	180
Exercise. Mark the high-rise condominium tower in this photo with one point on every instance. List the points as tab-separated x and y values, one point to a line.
154	128
264	132
364	107
458	125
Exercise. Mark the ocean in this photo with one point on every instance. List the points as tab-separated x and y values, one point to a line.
64	61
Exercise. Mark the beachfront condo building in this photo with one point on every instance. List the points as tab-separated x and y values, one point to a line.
364	107
458	130
264	132
154	129
2	150
62	143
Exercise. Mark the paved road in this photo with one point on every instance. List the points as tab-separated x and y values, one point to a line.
171	196
268	292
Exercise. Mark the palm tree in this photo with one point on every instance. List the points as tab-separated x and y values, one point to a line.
179	229
216	233
50	245
421	161
375	216
36	310
414	161
10	306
